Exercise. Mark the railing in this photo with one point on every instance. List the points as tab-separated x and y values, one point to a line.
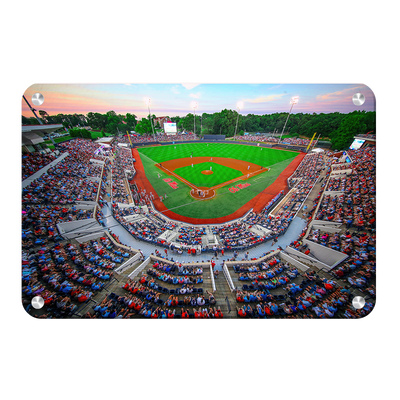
127	263
228	277
212	278
140	268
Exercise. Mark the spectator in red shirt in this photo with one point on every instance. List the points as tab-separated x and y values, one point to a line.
218	313
155	313
198	314
170	317
138	306
185	315
241	312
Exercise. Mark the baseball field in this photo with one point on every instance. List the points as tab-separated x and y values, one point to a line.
212	181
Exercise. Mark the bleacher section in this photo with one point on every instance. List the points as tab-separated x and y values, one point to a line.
82	270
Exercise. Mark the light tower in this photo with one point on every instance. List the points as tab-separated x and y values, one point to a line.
294	100
239	105
194	106
148	101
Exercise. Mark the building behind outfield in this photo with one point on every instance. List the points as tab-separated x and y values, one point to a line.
32	137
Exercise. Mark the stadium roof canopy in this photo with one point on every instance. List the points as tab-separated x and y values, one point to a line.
33	134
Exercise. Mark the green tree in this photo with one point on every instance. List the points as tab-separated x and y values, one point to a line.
187	122
352	125
25	121
224	123
113	122
144	126
131	121
97	120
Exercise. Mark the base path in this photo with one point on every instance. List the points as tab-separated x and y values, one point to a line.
244	167
279	184
257	203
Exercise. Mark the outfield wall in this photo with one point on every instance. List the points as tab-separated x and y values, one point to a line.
257	144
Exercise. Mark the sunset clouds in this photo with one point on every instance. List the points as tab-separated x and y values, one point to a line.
176	99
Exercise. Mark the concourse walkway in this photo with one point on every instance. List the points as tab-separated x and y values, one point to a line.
126	238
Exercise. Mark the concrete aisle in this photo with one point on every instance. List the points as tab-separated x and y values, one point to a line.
126	238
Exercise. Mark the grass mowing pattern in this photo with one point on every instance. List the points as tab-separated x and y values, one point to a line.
257	155
225	202
220	174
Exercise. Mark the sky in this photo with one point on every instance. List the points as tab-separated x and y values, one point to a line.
178	99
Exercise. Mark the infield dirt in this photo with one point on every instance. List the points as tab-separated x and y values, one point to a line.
257	203
244	167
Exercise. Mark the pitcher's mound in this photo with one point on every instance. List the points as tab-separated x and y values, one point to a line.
207	172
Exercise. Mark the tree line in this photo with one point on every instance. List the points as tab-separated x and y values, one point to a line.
110	122
337	127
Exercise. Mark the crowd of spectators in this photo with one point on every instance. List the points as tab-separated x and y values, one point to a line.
274	139
306	294
154	295
236	235
122	170
158	137
145	228
33	162
82	150
68	181
39	222
303	179
190	235
355	204
66	275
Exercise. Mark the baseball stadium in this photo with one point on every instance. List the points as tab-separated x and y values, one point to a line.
174	223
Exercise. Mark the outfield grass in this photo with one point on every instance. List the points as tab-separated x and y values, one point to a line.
224	203
257	155
220	174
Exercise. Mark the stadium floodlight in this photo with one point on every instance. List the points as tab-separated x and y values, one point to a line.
194	106
147	102
239	105
294	100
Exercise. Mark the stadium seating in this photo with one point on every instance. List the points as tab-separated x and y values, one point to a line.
78	279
